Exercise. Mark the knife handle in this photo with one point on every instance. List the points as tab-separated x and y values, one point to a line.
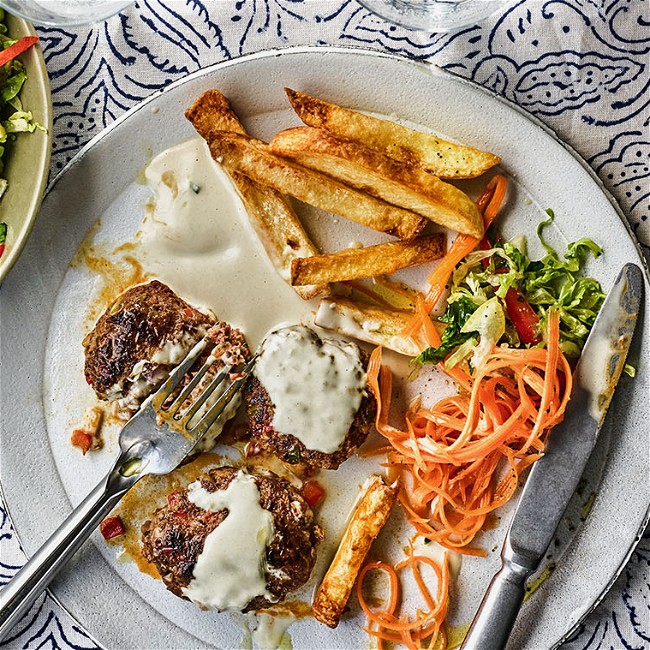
498	610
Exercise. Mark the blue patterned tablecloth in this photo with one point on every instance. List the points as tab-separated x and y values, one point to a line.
582	66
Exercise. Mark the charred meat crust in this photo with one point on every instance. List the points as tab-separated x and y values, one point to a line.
260	410
133	328
229	344
174	537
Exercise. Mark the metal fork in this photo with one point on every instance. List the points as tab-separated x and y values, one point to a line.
156	440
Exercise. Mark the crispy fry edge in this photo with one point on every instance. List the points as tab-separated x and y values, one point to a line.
273	219
408	186
368	518
253	158
400	142
355	263
348	317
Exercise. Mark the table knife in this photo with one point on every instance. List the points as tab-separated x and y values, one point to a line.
554	477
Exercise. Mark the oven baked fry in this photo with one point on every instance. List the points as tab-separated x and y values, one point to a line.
212	112
273	219
442	158
279	230
373	324
408	186
368	518
254	159
355	263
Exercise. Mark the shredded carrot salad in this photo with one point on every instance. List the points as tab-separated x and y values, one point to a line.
448	455
387	625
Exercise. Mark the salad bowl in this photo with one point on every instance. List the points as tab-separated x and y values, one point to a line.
26	156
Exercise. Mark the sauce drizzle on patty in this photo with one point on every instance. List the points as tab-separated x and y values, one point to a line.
316	385
231	569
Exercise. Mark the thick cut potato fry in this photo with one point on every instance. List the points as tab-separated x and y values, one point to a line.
280	231
212	112
402	184
253	158
273	219
368	518
355	263
442	158
370	323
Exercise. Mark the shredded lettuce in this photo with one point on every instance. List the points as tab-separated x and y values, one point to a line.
457	314
13	119
489	275
489	322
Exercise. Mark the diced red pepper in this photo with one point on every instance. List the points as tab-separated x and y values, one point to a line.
313	492
17	48
523	317
81	439
486	245
2	249
111	527
174	499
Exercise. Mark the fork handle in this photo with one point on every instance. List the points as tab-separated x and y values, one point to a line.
21	592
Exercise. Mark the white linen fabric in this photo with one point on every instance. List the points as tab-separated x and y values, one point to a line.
581	66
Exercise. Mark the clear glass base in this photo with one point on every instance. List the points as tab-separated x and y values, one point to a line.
435	15
64	13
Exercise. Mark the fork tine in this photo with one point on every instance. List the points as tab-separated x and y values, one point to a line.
222	402
176	375
187	390
205	394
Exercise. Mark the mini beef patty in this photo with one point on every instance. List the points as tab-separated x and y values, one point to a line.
175	536
142	336
323	382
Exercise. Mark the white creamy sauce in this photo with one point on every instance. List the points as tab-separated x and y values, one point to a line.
147	374
437	553
138	389
316	386
601	359
269	632
173	352
367	330
231	569
197	239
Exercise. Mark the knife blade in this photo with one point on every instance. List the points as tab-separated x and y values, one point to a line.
554	477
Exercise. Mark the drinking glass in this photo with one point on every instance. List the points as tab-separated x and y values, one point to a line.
435	15
64	13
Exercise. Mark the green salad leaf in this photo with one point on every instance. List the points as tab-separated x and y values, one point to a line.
13	118
456	316
527	289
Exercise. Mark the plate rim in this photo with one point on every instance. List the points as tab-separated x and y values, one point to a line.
431	68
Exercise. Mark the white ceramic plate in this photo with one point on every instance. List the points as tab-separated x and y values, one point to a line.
44	301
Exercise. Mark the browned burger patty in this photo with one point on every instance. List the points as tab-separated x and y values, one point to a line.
307	400
260	409
174	537
133	328
142	336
